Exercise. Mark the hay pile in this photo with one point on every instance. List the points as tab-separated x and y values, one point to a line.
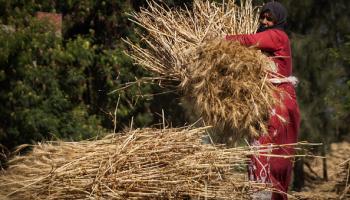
226	81
140	164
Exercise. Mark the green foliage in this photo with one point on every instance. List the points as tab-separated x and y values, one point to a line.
319	31
65	87
60	87
320	88
343	55
40	91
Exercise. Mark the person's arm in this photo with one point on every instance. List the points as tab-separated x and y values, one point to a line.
266	40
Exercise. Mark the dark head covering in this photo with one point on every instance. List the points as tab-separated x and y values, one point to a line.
279	14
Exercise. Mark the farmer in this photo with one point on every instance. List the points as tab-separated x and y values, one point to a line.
283	125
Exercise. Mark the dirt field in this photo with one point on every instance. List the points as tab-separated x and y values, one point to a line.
337	187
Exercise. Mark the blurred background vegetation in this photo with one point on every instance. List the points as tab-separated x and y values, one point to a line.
62	84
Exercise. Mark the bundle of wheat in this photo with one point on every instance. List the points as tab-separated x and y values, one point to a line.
230	87
140	164
226	80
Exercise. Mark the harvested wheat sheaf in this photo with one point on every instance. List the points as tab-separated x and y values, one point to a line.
226	81
230	88
140	164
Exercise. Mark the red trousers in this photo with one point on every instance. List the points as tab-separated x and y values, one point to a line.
283	128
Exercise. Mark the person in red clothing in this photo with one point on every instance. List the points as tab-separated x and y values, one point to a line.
283	125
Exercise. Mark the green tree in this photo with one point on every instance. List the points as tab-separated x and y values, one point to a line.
35	103
57	87
66	87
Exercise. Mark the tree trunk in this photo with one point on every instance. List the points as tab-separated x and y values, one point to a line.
324	163
299	177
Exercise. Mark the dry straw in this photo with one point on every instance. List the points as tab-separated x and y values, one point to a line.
226	81
140	164
344	181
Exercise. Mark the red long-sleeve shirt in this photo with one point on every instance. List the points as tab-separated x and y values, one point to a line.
273	41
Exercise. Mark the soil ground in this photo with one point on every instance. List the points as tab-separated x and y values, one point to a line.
338	166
